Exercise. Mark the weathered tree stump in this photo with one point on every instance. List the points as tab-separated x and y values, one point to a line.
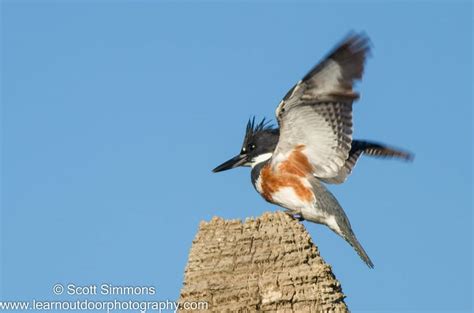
265	264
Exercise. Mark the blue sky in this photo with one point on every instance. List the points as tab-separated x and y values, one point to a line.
114	114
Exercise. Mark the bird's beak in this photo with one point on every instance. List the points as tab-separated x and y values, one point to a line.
236	161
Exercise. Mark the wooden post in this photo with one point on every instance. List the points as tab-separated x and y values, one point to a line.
264	264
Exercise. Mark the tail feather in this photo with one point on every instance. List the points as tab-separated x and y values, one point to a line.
328	211
352	240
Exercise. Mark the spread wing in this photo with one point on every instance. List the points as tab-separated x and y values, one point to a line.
316	114
369	148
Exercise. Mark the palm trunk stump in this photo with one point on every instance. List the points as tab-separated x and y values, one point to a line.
264	264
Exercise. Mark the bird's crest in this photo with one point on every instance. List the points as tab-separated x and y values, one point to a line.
256	127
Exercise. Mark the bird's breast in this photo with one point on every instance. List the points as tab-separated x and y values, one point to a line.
286	184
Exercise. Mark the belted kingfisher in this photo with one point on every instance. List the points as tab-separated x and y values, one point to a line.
313	144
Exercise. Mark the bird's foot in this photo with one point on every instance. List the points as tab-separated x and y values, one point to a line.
296	215
299	217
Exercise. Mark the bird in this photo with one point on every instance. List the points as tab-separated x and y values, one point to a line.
312	145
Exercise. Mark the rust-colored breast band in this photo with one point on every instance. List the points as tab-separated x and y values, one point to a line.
289	173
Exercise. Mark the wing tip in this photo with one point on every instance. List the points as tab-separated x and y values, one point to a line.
355	48
356	42
350	53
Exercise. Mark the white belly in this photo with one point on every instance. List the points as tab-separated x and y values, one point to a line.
318	216
287	198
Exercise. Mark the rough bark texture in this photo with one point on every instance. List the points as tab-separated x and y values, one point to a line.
265	264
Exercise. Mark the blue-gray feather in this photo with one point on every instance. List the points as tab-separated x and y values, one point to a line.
327	203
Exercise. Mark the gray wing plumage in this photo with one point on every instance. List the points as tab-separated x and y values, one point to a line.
373	149
317	112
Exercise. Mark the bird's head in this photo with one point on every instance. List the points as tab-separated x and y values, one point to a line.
259	143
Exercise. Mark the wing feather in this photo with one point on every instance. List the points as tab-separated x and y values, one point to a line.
317	111
373	149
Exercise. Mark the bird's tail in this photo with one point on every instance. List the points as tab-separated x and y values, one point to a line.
350	237
339	223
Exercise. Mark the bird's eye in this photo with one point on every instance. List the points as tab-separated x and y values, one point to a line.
243	150
252	147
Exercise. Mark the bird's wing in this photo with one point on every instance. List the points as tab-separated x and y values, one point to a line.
316	114
369	148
